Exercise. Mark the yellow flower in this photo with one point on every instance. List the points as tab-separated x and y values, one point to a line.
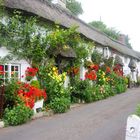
54	68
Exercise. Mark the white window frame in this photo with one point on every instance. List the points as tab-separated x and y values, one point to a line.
10	72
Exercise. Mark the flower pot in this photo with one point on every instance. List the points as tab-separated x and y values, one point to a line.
38	106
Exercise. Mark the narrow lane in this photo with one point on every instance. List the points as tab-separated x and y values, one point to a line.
102	120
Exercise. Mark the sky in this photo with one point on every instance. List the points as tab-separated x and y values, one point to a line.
123	15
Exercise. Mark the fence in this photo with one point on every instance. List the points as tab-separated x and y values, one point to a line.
1	100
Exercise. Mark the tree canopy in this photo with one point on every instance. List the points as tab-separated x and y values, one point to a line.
74	6
110	31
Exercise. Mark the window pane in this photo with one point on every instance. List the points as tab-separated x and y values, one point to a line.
6	67
16	68
12	68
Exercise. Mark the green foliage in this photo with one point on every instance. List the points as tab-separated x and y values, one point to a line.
1	2
127	42
96	57
138	110
101	78
22	38
35	83
118	83
111	32
17	115
99	25
11	93
88	93
60	105
53	82
109	62
75	7
62	39
81	89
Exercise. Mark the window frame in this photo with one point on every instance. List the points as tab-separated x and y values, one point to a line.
10	70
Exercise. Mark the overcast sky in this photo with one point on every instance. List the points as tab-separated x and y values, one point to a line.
123	15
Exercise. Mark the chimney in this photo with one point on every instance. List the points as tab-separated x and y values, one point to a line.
122	39
61	3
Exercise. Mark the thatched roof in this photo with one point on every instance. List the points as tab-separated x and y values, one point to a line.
60	15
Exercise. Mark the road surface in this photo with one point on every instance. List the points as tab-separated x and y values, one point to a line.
102	120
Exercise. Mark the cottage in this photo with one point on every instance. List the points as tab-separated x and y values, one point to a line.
57	13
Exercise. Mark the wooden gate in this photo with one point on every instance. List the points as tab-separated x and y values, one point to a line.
1	100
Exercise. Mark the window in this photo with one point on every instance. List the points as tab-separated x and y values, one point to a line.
106	52
8	71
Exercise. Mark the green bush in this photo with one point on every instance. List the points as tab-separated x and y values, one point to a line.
138	110
17	115
11	93
35	83
88	95
80	89
60	105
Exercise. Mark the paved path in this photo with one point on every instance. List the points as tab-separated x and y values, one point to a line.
103	120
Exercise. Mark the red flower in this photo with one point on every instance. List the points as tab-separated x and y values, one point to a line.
118	70
29	94
108	70
73	70
30	72
91	75
2	72
1	67
94	67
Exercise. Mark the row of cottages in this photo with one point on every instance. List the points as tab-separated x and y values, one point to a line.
57	13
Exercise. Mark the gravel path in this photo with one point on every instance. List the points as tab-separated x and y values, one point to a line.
102	120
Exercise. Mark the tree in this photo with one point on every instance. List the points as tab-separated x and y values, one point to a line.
1	2
74	6
111	32
127	42
99	25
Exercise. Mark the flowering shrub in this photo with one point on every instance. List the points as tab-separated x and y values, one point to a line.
30	73
94	67
108	70
29	94
73	70
91	75
101	77
118	70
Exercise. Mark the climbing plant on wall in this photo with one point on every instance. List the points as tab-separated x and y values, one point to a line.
20	36
23	38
